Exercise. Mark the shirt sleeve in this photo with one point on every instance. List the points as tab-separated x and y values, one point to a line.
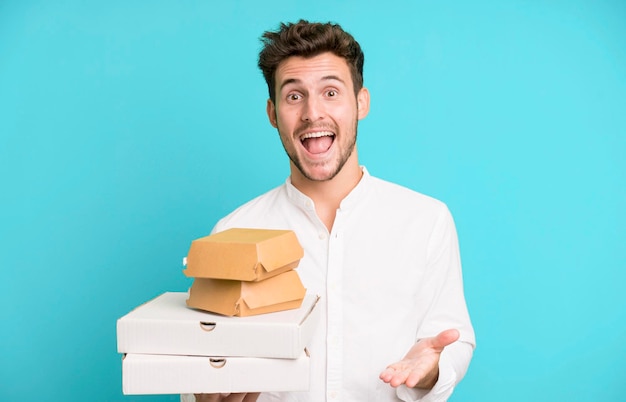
444	283
447	310
453	365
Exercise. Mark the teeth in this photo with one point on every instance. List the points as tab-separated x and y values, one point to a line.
318	134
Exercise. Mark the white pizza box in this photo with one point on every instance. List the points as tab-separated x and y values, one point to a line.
168	374
165	325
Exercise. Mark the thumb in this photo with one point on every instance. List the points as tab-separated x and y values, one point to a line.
445	338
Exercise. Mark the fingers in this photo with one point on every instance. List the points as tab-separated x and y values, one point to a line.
226	397
417	375
209	397
251	397
234	398
394	377
404	372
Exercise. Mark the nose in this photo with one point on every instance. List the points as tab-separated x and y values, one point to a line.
313	110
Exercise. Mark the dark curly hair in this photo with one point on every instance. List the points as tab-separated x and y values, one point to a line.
309	39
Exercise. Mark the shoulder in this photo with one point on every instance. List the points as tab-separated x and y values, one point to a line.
251	213
393	194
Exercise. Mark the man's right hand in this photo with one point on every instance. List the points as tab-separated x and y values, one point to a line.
249	397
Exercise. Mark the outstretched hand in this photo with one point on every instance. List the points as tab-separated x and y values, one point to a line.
420	367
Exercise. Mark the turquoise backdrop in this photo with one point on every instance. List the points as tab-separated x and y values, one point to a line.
127	128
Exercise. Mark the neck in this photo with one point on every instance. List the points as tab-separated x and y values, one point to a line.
327	195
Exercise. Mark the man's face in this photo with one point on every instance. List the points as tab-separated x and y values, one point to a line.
316	113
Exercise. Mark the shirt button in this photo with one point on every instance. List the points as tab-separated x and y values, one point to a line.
309	204
333	395
322	236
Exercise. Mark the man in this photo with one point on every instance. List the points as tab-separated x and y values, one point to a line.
383	258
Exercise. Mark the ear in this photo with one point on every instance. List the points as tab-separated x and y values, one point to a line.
363	103
271	113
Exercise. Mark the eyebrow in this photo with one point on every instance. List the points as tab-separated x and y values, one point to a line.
298	81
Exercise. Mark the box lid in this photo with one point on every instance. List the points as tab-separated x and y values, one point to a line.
243	254
165	325
162	374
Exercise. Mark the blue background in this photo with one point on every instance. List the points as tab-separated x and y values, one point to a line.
127	128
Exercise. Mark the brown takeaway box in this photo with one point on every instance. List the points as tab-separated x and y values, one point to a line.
244	254
239	298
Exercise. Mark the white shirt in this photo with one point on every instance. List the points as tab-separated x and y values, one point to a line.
388	274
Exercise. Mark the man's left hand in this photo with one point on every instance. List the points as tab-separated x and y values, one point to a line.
420	367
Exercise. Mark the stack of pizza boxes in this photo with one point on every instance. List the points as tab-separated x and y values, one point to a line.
243	326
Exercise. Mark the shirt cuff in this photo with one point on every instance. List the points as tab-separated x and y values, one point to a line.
439	393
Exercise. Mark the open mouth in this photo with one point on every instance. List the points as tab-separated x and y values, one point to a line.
317	142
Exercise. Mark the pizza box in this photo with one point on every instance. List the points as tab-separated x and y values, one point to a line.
166	374
166	325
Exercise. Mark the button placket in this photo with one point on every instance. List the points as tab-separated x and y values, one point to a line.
335	311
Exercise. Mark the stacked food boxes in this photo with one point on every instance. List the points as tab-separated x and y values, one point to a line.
243	327
245	272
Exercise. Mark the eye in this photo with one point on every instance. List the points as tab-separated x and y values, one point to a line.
331	93
294	97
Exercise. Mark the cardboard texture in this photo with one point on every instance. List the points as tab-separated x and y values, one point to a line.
244	254
165	325
241	299
163	374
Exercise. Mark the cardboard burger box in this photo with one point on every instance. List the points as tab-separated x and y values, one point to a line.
163	374
244	254
166	326
238	298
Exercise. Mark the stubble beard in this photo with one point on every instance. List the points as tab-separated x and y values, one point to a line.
343	157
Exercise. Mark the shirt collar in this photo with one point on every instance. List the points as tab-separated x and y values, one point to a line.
357	192
302	200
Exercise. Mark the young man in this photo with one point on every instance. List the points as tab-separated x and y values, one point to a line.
383	258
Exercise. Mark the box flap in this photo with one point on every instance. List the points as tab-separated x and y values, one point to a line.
282	288
216	295
279	250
